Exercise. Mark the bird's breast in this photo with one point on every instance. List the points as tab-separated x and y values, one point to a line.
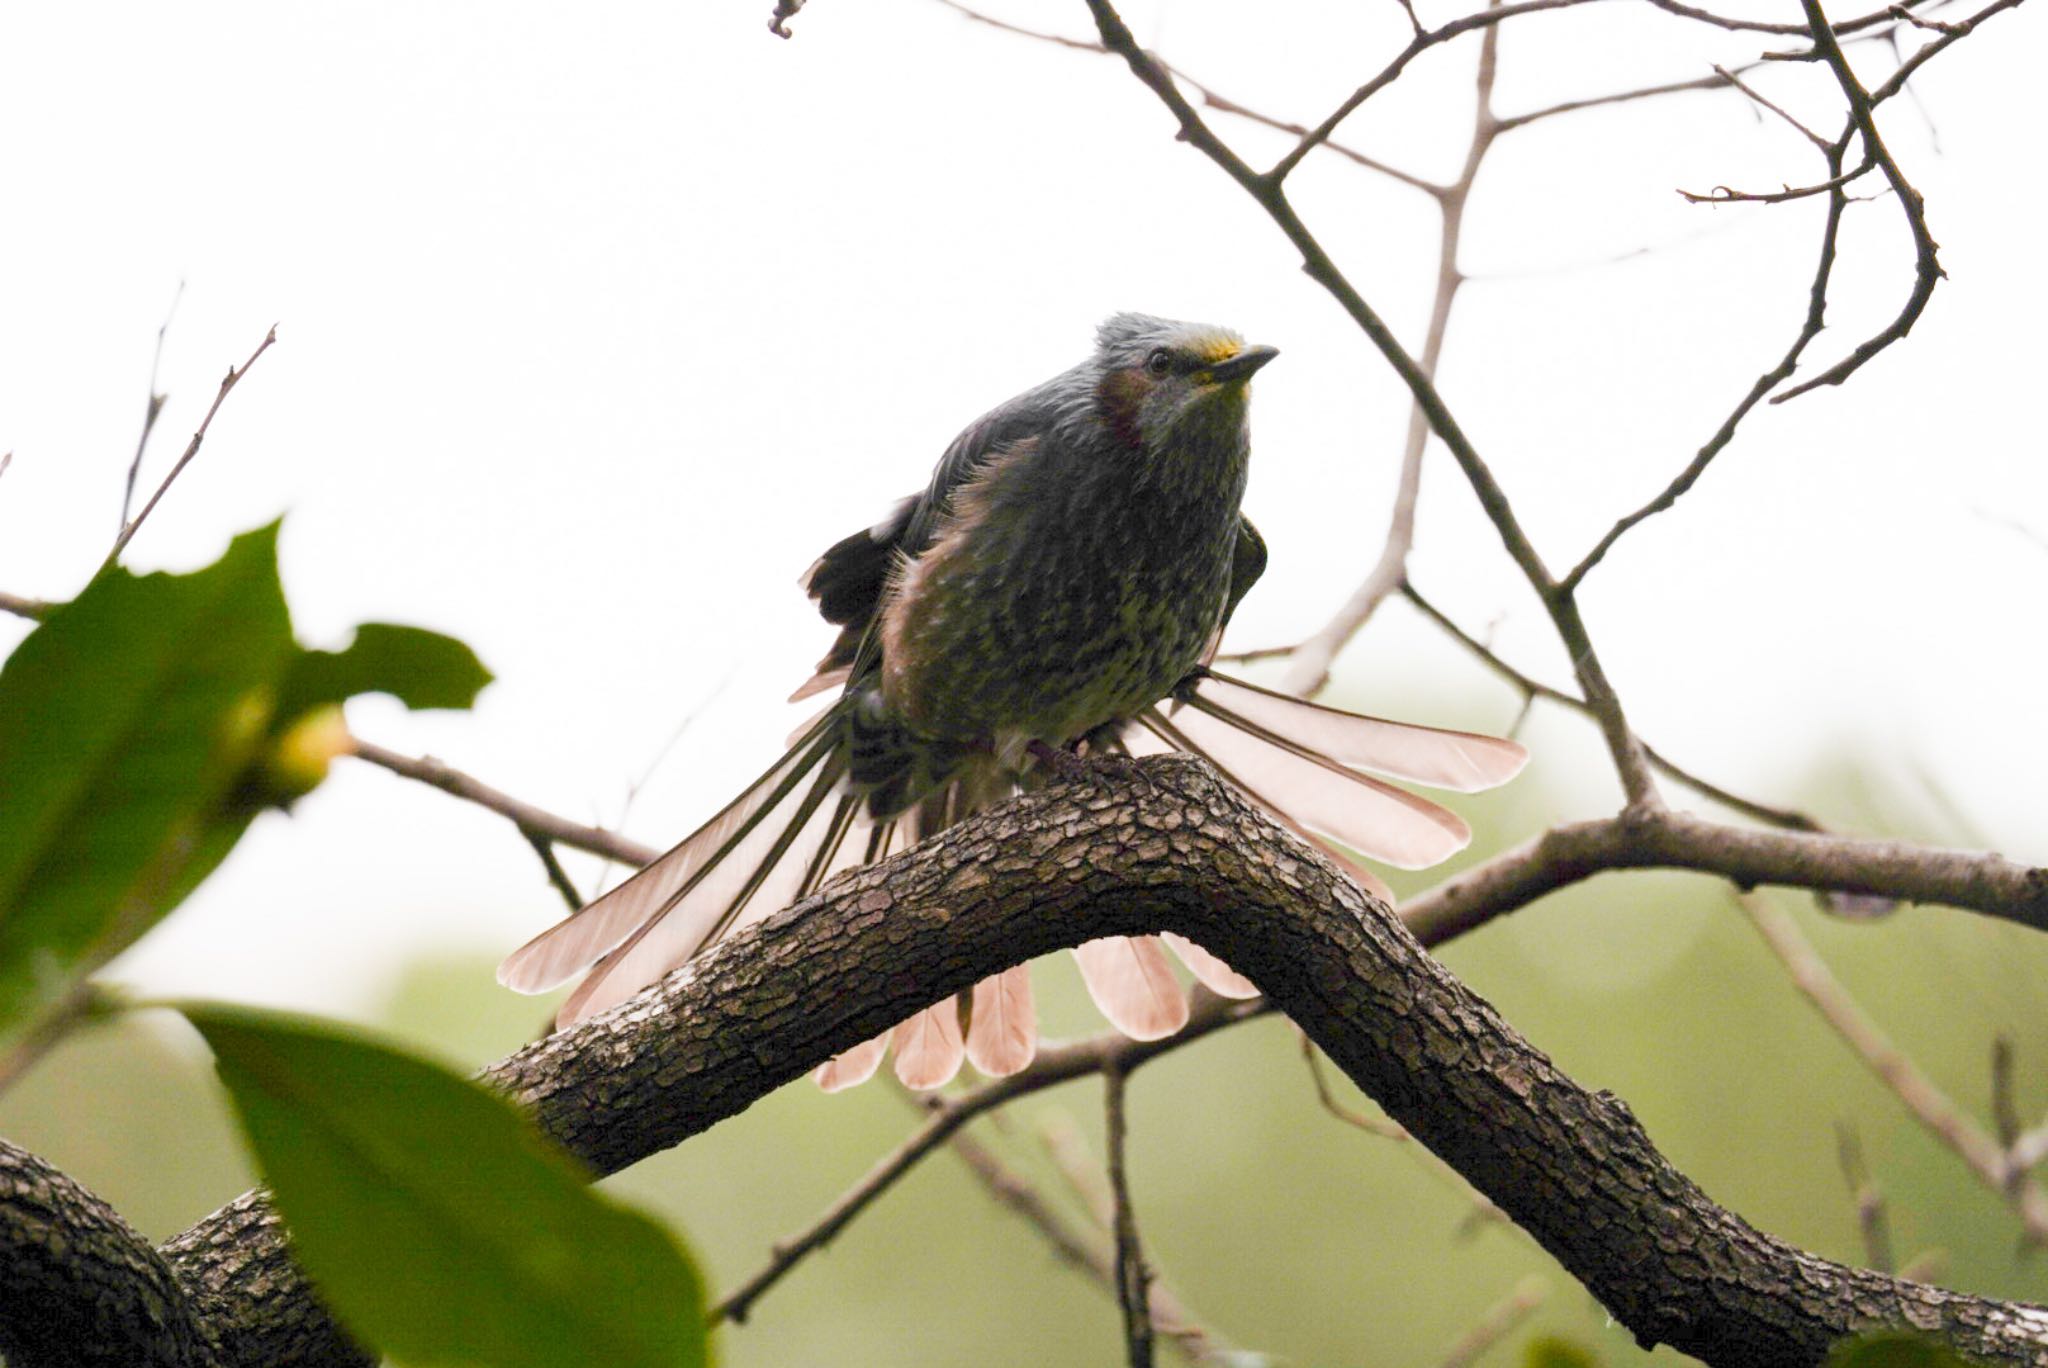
1042	613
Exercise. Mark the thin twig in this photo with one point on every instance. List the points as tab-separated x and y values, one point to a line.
2005	1113
1531	689
1511	122
1371	1125
1211	97
1169	1317
129	529
154	406
1267	190
34	609
1847	26
529	819
1084	1176
1133	1279
1055	1064
1497	1323
1421	43
1868	1196
1482	1212
557	876
1926	263
1722	194
84	1002
1921	1096
1309	670
1809	328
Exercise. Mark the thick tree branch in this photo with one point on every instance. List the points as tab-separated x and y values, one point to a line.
78	1286
1980	881
1188	855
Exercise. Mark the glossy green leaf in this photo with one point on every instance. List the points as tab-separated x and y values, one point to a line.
422	669
125	720
1894	1349
435	1220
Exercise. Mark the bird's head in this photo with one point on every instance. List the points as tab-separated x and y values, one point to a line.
1159	383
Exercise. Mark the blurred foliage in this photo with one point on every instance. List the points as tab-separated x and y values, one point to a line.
142	727
1283	1229
437	1221
1893	1351
1548	1351
126	719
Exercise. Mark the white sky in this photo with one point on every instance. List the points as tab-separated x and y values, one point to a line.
598	322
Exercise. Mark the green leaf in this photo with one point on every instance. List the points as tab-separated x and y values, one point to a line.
125	719
1894	1349
422	669
435	1220
1552	1351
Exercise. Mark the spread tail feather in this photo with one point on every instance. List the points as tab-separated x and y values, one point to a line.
1132	982
1464	762
1356	810
1002	1024
928	1046
767	847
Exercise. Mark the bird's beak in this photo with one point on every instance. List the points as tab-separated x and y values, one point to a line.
1239	367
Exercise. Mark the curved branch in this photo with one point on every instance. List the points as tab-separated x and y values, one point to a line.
78	1286
1186	854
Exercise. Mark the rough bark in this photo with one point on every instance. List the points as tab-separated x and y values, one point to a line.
1181	853
78	1285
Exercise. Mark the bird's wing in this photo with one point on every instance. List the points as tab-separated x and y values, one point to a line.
849	581
1247	563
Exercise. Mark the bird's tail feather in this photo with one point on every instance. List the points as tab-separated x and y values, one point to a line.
770	845
1464	762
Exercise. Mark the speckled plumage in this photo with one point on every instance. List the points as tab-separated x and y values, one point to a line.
1069	566
1076	574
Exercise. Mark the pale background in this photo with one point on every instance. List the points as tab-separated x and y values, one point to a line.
598	322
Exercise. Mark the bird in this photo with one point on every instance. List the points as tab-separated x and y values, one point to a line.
1050	603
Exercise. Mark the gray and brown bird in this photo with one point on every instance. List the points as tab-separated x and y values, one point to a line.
1055	592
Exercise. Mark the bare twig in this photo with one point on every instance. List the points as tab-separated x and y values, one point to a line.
2005	1114
1921	1096
1084	1176
1170	1317
1371	1125
557	876
530	820
1869	1198
154	407
1497	1323
1809	328
1309	670
85	1002
1267	190
1133	1279
1211	97
35	610
1532	689
1421	43
1722	194
227	384
1055	1064
1896	82
1514	121
1926	263
1846	27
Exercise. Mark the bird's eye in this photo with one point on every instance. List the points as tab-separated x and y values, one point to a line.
1159	362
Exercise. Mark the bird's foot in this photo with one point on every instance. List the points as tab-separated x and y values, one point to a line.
1108	773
